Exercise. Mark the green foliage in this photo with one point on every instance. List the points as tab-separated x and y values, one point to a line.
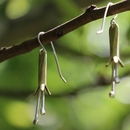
83	102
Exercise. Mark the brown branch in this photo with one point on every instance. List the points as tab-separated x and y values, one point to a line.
92	13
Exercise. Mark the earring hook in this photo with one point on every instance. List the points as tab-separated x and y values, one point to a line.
39	34
55	55
104	17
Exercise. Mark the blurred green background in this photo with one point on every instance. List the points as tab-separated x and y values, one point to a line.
83	102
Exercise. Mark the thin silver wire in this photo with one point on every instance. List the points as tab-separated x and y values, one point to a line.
39	34
57	62
104	18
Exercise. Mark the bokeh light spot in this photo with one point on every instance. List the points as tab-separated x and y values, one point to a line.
17	114
17	8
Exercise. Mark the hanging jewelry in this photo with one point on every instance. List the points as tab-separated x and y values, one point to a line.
114	54
114	49
42	78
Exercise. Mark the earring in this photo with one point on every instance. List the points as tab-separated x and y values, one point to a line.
42	78
114	49
114	54
42	75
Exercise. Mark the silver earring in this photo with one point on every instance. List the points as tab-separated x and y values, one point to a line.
42	78
114	54
114	49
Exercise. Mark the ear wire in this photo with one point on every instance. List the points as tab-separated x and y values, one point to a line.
104	18
38	38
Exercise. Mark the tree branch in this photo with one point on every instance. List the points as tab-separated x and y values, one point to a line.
92	13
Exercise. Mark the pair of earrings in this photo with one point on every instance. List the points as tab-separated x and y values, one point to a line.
42	78
114	50
42	70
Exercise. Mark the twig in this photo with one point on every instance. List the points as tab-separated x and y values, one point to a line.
92	13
